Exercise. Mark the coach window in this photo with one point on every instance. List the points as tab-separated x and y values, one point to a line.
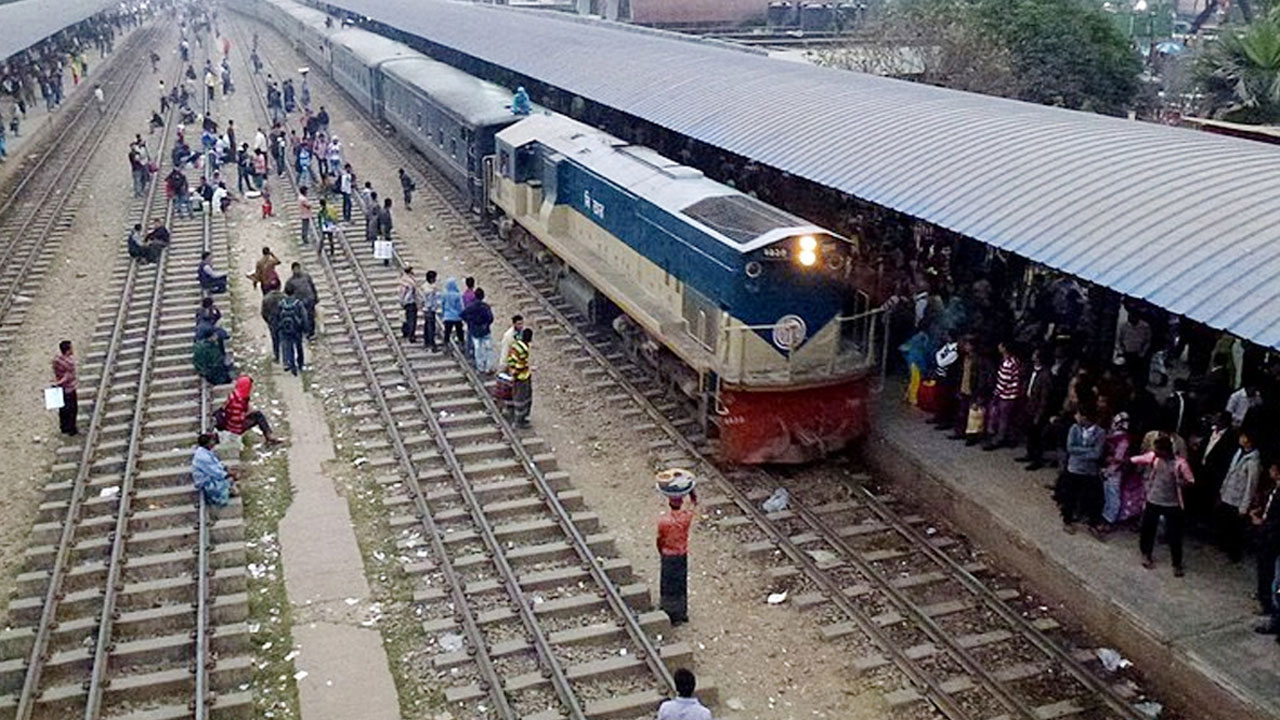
453	148
440	136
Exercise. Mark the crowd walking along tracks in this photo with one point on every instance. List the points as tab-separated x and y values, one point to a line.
41	208
916	611
533	616
128	575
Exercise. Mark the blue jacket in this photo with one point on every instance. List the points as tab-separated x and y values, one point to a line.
1084	449
451	302
210	477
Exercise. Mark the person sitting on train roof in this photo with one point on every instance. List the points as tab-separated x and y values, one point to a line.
520	104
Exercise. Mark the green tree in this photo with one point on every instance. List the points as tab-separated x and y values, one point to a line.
1239	73
1055	52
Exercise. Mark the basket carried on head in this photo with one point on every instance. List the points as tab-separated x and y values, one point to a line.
676	482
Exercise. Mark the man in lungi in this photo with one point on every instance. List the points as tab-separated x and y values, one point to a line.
673	546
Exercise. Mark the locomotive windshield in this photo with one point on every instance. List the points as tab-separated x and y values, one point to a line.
741	218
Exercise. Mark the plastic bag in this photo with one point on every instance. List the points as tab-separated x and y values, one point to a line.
777	502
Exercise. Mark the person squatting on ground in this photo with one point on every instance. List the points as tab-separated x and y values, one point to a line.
64	376
521	372
208	473
236	417
1167	475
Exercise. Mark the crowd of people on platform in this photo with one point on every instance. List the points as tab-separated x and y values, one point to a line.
40	72
1159	423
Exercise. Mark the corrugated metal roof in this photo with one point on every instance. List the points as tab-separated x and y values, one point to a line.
28	22
1183	219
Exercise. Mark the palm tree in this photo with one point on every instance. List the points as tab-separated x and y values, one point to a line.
1240	73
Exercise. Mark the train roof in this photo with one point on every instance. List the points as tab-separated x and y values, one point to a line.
1180	218
29	21
306	15
372	49
739	221
479	103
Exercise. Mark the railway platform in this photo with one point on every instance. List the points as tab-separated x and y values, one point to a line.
1192	638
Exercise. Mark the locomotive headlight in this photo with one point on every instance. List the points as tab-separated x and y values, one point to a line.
808	242
807	257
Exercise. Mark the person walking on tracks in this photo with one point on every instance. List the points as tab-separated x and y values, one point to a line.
684	706
479	319
521	372
290	323
264	274
271	316
305	213
451	311
1167	475
430	304
410	299
304	288
64	376
673	541
384	225
101	99
407	186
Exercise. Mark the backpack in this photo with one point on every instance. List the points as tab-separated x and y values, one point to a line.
290	309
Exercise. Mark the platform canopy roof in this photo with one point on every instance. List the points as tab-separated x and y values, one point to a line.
27	22
1187	220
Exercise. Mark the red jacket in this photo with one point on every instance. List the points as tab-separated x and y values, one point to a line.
237	406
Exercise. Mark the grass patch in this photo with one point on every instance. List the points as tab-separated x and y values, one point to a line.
267	494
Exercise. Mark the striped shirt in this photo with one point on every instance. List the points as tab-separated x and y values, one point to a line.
1008	379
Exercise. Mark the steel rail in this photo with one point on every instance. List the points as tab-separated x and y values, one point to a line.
650	653
36	658
992	602
929	687
98	679
541	644
463	613
78	167
202	661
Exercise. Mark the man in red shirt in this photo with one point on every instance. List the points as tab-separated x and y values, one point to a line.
64	376
673	547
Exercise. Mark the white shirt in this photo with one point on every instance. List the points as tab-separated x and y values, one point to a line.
97	93
508	338
218	194
260	141
1238	405
682	708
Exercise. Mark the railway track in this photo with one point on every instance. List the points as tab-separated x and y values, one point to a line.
943	634
41	208
530	621
128	573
